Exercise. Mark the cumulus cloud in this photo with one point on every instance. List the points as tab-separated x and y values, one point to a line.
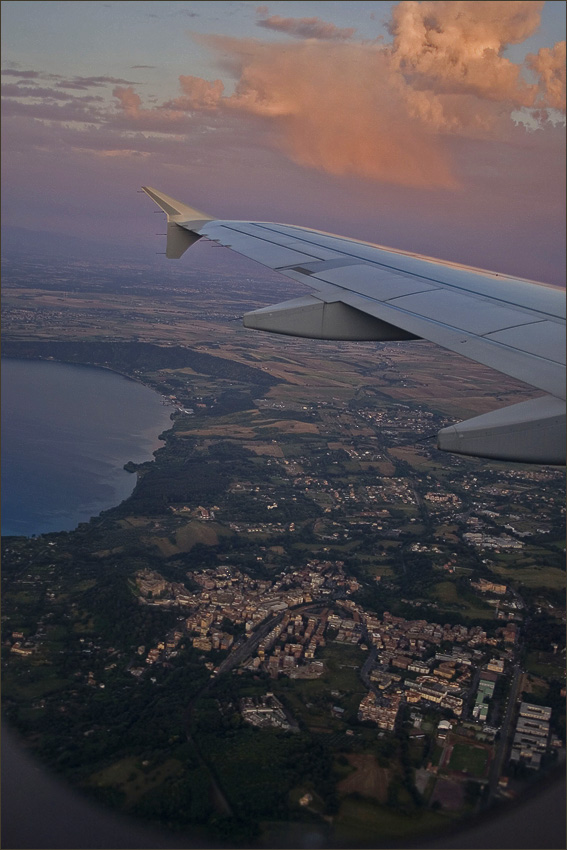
333	116
456	46
130	104
307	28
549	65
385	111
129	101
197	94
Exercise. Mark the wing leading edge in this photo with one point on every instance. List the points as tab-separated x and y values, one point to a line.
361	291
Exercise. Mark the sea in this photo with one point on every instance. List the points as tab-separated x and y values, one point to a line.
67	432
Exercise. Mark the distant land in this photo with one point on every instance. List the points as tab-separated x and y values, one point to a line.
305	621
46	244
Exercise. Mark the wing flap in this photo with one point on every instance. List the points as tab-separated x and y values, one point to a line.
381	284
539	372
542	339
465	313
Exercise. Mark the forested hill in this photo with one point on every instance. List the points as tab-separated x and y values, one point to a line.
128	357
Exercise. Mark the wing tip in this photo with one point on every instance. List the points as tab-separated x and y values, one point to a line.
176	210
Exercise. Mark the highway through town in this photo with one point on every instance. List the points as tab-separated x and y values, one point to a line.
506	731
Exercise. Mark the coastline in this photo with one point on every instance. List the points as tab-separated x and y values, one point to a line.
93	478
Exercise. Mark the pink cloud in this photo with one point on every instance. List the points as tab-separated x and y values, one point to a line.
351	108
549	65
383	120
197	94
456	46
158	118
384	112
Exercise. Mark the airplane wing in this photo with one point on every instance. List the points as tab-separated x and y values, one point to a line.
361	291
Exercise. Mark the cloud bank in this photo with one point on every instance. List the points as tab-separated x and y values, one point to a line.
384	112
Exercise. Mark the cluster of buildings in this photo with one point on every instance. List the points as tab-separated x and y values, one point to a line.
265	712
441	499
406	667
380	710
440	678
225	593
413	661
489	587
531	738
291	645
482	540
20	646
369	497
414	419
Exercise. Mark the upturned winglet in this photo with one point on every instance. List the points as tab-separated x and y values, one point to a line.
183	222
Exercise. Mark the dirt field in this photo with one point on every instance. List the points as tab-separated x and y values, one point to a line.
290	426
228	431
449	793
369	779
265	449
186	537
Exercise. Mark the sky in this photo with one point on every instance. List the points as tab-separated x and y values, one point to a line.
435	126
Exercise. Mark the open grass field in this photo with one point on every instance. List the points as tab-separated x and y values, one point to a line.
414	457
289	426
532	576
230	431
135	522
310	699
446	593
133	779
545	664
469	759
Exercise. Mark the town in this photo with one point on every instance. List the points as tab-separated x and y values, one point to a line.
299	579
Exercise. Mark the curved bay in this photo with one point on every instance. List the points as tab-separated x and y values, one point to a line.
67	432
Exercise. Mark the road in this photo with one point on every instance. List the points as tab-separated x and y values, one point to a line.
240	653
506	732
248	646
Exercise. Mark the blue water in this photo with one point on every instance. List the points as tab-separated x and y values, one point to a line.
67	432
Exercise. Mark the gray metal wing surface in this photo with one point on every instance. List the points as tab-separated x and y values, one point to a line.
361	291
